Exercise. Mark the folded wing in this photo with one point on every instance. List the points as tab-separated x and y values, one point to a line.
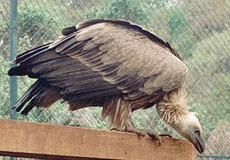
99	59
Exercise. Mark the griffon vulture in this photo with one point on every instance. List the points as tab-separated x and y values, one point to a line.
113	64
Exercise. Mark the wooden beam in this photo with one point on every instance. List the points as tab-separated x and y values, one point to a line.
35	140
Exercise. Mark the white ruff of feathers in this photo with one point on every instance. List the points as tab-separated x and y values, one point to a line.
173	106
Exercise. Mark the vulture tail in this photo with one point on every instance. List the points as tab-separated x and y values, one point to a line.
40	94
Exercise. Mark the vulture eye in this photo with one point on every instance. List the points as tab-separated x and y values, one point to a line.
197	132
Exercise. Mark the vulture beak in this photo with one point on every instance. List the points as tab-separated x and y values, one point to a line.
197	141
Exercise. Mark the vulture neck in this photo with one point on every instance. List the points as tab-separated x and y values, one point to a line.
173	106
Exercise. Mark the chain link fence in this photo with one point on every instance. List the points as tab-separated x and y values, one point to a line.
198	30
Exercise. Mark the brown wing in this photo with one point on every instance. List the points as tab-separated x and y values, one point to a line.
103	58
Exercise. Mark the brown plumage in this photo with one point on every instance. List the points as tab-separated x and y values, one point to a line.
109	63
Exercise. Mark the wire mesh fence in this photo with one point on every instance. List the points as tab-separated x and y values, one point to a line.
198	30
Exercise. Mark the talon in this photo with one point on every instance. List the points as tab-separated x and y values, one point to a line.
114	129
159	142
147	136
166	135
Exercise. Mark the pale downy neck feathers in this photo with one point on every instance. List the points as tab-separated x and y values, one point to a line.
173	106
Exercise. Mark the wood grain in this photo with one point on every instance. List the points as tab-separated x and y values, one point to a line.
26	139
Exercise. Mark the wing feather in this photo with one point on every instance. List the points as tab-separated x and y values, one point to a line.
104	57
131	59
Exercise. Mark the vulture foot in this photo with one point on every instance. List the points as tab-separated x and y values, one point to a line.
165	135
149	134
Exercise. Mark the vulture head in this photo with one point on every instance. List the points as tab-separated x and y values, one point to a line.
174	111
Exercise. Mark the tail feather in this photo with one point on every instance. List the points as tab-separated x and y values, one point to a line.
30	93
40	94
28	108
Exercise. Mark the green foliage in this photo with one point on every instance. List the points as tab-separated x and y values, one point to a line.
157	3
35	24
4	88
23	44
4	30
177	23
210	76
182	41
134	11
206	16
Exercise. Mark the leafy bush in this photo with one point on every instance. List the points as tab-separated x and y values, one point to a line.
209	81
23	83
134	11
4	88
180	36
205	17
37	25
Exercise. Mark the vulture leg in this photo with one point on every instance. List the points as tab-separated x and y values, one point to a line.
118	112
153	134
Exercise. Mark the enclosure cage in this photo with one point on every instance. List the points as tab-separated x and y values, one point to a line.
198	30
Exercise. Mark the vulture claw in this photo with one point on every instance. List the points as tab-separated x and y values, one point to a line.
114	129
165	135
148	134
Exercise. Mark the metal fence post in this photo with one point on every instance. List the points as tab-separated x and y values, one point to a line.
13	52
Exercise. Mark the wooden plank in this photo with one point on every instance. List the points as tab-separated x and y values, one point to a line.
26	139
